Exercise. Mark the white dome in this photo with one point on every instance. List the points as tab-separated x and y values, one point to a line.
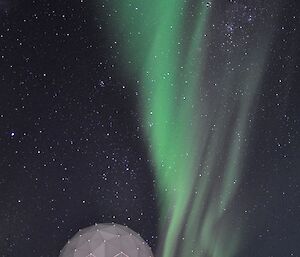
106	240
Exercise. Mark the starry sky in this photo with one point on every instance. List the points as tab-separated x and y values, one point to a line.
157	116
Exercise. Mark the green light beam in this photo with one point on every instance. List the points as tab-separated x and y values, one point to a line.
197	146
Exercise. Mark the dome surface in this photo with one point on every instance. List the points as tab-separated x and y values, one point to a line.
106	240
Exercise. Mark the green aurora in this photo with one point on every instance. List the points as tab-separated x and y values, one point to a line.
197	138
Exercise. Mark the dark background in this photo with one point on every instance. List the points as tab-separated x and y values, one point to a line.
72	151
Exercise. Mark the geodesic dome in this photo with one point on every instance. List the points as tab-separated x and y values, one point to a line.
106	240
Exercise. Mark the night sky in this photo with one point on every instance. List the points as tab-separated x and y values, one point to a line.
74	149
